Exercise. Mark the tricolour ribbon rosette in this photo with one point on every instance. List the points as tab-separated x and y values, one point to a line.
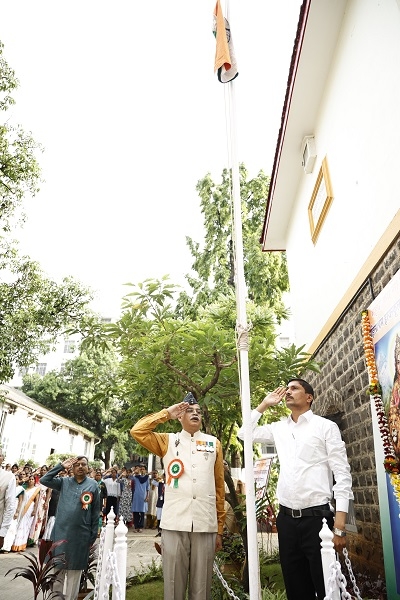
175	470
86	499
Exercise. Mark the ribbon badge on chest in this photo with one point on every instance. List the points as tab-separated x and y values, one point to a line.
86	499
175	470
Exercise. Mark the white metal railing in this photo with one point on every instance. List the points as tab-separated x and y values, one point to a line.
335	581
111	564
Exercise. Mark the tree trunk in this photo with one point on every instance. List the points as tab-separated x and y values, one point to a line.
107	455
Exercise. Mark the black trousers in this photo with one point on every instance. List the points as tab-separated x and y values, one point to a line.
300	555
138	520
111	501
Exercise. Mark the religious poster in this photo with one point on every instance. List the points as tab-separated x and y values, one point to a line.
384	321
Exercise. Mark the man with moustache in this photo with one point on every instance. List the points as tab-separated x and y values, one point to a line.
76	520
193	513
311	453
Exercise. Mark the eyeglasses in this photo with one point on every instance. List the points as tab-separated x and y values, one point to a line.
193	411
80	464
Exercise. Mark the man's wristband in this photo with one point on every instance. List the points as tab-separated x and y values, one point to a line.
339	532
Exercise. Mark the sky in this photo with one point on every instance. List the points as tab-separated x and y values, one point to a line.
123	98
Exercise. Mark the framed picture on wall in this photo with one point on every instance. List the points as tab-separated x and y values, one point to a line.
321	200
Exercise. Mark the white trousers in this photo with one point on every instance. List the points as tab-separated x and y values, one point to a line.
68	582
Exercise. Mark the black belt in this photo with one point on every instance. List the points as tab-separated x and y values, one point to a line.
322	510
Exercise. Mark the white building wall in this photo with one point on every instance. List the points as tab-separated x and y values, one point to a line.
358	130
28	435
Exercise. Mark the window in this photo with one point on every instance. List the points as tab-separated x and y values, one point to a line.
268	449
23	371
69	346
41	368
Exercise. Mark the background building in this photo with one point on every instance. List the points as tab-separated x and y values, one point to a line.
28	430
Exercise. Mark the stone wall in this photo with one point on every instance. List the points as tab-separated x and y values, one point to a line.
342	393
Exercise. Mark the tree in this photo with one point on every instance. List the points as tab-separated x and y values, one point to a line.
33	308
213	268
19	169
85	392
164	356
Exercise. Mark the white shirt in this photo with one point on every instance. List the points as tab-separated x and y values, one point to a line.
7	500
113	487
310	453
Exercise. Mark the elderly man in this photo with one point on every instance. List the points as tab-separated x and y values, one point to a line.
7	499
193	513
76	520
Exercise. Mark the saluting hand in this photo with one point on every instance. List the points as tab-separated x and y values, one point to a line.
272	398
67	464
177	410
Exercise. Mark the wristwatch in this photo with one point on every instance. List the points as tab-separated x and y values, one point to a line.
339	532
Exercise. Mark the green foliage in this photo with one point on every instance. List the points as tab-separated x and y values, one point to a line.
42	570
232	548
147	591
214	262
19	169
35	310
164	356
87	393
145	574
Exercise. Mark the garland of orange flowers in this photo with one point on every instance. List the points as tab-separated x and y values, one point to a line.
391	463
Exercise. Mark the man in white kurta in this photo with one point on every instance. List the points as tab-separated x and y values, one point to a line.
193	514
7	499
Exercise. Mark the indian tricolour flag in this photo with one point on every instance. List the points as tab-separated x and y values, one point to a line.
225	61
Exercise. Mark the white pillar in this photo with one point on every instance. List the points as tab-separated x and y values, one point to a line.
120	551
328	557
108	545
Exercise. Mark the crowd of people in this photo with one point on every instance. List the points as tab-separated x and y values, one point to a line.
135	495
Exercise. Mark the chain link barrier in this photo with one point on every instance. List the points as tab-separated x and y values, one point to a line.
338	580
112	578
99	563
218	573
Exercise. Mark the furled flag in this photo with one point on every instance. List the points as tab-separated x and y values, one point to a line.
225	61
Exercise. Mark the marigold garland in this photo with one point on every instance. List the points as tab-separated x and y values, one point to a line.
391	463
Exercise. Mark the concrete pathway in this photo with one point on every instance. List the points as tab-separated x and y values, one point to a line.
141	552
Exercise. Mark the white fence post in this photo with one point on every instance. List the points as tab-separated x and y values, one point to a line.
328	556
120	551
108	545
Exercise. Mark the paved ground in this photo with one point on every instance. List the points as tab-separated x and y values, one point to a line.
141	552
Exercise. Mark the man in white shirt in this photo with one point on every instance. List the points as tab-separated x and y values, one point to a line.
311	452
113	486
7	499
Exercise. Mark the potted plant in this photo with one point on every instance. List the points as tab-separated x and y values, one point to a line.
43	570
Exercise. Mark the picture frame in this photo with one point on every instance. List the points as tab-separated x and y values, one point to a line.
321	201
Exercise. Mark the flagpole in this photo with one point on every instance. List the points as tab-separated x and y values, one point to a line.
243	348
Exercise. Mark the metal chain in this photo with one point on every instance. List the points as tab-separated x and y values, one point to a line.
351	575
114	575
338	580
222	580
99	563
